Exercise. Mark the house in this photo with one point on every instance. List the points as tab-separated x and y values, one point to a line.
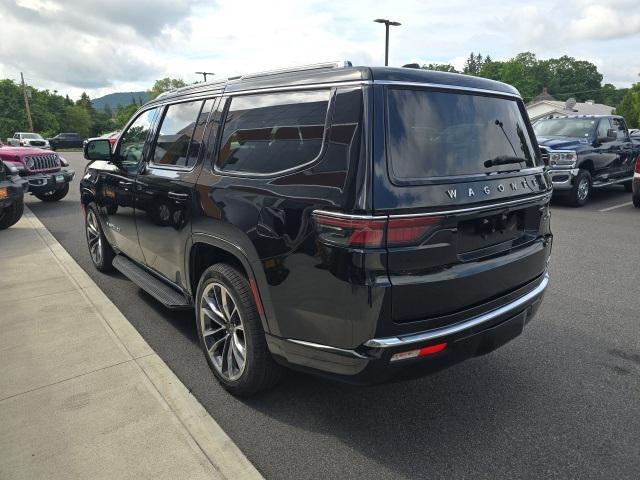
545	106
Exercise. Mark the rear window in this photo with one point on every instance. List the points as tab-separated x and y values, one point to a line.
435	134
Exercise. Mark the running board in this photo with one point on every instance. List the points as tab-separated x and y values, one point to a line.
159	290
612	182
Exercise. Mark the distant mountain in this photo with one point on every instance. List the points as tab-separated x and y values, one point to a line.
119	98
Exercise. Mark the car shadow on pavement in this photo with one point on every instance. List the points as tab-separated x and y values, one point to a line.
415	426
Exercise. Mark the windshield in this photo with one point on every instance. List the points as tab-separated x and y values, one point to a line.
436	134
564	127
33	136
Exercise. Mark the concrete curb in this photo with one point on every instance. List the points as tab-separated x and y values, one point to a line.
223	455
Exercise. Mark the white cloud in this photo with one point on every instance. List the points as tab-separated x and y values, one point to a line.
101	46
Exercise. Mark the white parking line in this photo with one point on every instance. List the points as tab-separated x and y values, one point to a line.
616	206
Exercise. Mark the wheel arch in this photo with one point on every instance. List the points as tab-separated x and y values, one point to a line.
205	250
587	165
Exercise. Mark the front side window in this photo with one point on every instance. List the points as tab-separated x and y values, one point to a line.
435	134
619	127
132	140
565	127
269	133
180	134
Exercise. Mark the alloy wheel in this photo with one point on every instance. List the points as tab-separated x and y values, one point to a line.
94	239
583	189
223	331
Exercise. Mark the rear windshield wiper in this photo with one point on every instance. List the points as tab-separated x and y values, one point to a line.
504	160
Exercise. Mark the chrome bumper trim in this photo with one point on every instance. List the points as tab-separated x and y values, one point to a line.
327	348
398	341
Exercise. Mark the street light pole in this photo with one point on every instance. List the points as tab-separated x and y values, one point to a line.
204	74
386	36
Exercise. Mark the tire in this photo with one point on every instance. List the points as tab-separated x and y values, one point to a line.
581	192
100	251
54	195
223	334
628	186
636	201
10	215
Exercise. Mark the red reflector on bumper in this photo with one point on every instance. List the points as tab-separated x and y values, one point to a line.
420	352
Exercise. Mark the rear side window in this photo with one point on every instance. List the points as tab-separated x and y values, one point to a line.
180	134
435	134
269	133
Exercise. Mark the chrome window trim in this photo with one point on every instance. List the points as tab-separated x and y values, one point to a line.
404	340
446	86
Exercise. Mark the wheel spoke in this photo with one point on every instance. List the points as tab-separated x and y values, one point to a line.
211	331
212	348
238	344
214	314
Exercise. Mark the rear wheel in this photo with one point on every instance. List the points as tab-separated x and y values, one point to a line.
231	334
581	191
10	215
636	201
99	249
54	195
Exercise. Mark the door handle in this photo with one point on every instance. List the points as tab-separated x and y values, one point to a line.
178	196
125	184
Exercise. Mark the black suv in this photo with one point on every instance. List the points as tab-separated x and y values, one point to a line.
354	222
66	140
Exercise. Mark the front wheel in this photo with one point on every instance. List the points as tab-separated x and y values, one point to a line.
231	333
54	195
581	191
99	249
11	214
636	201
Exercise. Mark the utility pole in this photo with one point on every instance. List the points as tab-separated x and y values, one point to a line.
26	102
386	41
204	74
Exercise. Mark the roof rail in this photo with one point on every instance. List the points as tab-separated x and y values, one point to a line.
301	68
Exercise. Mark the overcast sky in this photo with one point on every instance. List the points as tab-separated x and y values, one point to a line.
121	45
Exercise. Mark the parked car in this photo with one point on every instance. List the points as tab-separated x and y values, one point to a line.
12	189
27	139
587	152
46	172
66	140
353	222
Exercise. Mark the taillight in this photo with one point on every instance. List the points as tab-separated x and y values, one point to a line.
419	352
372	232
350	232
408	231
638	164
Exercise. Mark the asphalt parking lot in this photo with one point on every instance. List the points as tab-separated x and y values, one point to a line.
560	401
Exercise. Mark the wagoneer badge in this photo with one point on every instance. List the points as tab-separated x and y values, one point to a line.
486	190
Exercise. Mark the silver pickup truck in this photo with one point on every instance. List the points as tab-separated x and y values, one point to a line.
27	139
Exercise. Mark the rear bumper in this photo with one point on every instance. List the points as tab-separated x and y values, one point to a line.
45	182
371	362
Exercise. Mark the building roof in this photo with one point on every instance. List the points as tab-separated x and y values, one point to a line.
547	108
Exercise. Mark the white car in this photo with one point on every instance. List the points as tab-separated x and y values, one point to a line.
28	139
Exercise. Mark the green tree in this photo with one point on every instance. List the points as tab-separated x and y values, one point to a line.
78	120
164	85
440	67
567	77
123	114
473	64
629	107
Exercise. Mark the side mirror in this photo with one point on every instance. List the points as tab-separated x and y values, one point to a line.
612	134
97	149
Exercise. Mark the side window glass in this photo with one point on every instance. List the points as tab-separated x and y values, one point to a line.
618	126
603	127
131	146
269	133
180	134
